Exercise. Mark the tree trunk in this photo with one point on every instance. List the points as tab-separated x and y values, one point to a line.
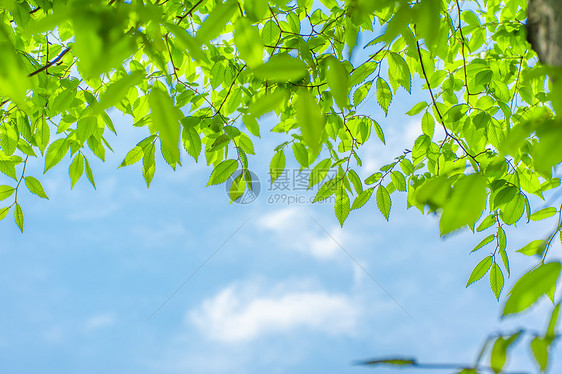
544	30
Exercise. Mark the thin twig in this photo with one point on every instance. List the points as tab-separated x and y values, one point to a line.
49	64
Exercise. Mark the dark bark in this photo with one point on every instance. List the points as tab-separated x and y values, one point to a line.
544	30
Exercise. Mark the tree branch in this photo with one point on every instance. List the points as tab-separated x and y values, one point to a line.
51	63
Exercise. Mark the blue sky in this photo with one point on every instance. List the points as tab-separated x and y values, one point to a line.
80	286
95	283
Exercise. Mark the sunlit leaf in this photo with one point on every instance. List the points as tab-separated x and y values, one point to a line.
216	21
281	68
18	217
165	118
531	286
311	121
383	201
465	205
35	187
222	172
496	280
480	270
277	165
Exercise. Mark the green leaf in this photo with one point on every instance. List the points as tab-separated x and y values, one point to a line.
362	199
148	164
487	222
117	91
252	125
505	259
341	206
18	217
338	81
237	187
378	131
4	212
355	180
391	361
270	32
56	151
191	141
319	172
187	42
398	180
536	247
311	121
540	352
248	42
480	270
384	95
416	109
326	190
543	214
282	68
399	71
6	191
513	210
277	165
362	72
361	93
86	127
165	119
42	134
499	355
496	280
222	172
531	286
8	138
267	103
216	21
490	238
465	205
35	187
89	173
245	143
76	169
133	156
383	201
428	125
255	9
301	154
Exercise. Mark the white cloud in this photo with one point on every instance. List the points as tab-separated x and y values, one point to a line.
246	312
99	321
293	228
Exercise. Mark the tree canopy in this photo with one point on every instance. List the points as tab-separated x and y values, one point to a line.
199	75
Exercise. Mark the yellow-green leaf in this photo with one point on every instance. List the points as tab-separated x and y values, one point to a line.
311	122
277	165
496	280
480	270
282	68
35	187
76	169
216	21
222	172
337	77
531	286
466	204
384	95
383	201
248	42
165	119
18	217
